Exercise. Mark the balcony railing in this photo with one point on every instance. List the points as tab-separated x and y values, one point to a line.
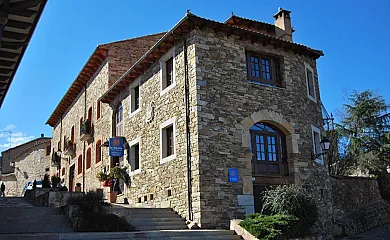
69	149
86	131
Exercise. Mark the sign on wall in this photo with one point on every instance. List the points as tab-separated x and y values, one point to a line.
233	175
116	147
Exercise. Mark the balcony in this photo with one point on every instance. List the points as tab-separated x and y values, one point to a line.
69	149
86	133
55	159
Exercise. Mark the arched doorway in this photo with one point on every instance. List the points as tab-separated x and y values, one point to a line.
269	158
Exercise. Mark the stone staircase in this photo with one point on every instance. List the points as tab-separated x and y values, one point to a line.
18	217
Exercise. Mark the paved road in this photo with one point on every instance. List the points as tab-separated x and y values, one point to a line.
380	233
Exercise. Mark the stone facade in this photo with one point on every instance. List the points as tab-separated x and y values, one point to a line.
31	160
223	106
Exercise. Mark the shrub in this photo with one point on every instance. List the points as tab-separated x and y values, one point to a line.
92	201
268	227
295	201
103	222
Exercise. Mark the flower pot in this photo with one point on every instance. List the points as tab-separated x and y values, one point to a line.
112	196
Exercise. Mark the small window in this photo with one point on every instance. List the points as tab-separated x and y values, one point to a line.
167	140
89	155
134	157
316	134
167	65
311	92
98	151
145	198
63	171
139	200
118	121
169	192
80	165
263	69
47	169
134	96
151	197
98	110
48	150
72	135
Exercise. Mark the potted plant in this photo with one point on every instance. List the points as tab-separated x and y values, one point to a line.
101	176
85	127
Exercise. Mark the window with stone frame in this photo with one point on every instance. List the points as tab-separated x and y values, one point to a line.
89	158
167	140
167	65
98	151
310	83
263	69
268	146
119	121
135	157
135	96
316	135
80	164
98	110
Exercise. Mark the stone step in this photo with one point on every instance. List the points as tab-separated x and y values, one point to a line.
31	219
29	210
161	227
12	229
161	234
156	221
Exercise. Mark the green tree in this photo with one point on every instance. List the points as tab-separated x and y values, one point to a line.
363	133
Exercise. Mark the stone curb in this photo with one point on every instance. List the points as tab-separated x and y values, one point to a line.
241	231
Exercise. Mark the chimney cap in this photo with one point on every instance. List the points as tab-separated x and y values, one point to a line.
280	13
42	135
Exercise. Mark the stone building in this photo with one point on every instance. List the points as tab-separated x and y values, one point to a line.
210	115
25	163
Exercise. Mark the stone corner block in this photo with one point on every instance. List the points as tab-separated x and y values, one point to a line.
245	200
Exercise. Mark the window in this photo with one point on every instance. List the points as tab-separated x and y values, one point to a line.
63	171
268	146
59	146
80	164
167	140
48	150
118	121
134	96
65	143
98	151
167	65
263	69
316	134
72	135
89	155
98	110
311	90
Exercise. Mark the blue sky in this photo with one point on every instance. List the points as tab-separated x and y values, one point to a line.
353	35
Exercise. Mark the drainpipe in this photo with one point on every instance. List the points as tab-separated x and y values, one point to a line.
85	117
188	134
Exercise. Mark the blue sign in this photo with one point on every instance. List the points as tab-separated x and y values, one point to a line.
116	147
233	175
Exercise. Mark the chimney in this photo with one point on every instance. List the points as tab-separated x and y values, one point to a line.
282	24
42	135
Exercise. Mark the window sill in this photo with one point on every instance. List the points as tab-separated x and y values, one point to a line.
167	159
265	85
165	90
135	172
88	170
312	98
134	112
97	164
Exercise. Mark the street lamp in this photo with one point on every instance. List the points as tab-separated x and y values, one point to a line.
12	164
325	145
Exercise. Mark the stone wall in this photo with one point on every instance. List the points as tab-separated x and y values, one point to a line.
229	105
156	176
351	193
